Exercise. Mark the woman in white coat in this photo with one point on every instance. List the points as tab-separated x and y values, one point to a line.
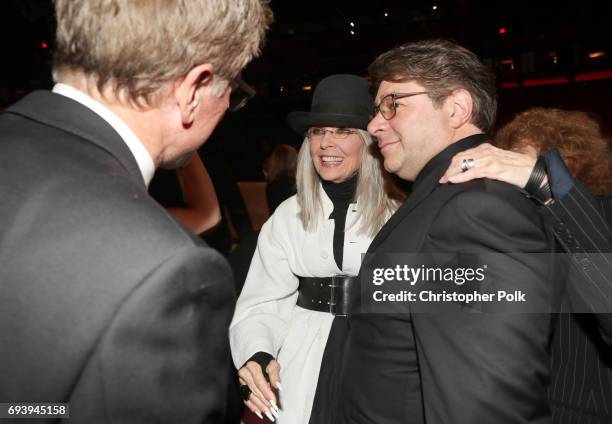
298	281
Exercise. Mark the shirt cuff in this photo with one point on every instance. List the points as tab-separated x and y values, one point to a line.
263	359
559	177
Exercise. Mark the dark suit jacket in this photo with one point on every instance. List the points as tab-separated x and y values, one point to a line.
106	302
470	367
581	386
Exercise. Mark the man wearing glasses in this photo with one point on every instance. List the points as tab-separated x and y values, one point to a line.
435	99
106	302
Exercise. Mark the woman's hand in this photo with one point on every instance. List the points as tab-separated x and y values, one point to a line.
491	162
262	398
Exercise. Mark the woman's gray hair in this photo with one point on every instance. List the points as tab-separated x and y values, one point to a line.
373	204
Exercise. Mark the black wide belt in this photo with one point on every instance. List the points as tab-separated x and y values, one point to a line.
326	294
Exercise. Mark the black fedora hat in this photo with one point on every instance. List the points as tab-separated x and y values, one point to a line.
338	101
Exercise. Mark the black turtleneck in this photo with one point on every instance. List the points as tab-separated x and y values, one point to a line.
341	195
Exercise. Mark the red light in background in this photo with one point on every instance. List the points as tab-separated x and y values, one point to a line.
502	30
44	45
596	75
509	85
545	81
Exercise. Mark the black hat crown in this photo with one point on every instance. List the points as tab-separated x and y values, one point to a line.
339	100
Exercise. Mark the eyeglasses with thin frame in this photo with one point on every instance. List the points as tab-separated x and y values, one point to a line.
388	104
317	133
241	93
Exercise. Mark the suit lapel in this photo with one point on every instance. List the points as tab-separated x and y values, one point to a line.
425	184
413	200
68	115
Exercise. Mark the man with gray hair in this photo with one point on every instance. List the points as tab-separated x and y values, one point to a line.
106	302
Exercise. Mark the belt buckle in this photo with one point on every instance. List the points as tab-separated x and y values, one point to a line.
332	300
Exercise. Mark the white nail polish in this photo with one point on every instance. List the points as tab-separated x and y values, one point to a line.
278	386
259	415
270	417
274	405
274	412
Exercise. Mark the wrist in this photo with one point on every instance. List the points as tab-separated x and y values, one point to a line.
263	359
538	186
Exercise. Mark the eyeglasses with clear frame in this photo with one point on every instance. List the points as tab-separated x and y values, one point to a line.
388	104
317	133
241	93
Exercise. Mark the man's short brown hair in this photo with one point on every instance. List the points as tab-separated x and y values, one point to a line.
137	46
441	66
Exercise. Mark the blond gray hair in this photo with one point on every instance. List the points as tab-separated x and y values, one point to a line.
135	47
374	206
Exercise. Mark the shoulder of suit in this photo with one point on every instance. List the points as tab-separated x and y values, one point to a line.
486	187
486	194
116	205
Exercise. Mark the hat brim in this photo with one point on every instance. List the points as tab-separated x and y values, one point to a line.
301	121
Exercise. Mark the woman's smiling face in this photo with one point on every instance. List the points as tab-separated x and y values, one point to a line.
335	159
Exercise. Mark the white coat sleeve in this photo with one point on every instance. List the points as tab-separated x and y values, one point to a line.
264	308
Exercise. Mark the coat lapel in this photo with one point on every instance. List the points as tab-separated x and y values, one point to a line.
68	115
425	183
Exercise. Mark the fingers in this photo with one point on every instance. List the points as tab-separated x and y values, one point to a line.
455	172
254	408
252	375
468	175
490	162
493	169
455	166
493	163
480	151
263	387
262	398
274	374
485	167
258	407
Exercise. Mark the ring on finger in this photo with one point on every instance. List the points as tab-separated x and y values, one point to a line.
245	391
467	164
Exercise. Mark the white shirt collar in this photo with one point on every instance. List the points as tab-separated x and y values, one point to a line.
142	156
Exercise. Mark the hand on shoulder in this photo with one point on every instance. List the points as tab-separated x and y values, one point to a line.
493	163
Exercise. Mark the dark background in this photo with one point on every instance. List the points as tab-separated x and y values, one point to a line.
545	53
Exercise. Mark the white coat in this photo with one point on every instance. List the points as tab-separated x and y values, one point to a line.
267	318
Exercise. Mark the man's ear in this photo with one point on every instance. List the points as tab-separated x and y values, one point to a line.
461	106
187	93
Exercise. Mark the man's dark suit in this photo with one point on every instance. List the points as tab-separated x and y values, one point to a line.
105	301
460	368
581	386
